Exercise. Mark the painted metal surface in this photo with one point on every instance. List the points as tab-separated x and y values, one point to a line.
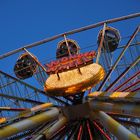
115	128
28	123
72	82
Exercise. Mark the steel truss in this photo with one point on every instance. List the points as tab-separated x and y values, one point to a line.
110	111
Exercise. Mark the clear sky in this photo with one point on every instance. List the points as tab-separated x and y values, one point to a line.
26	21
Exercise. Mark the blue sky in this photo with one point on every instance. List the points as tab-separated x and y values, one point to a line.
27	21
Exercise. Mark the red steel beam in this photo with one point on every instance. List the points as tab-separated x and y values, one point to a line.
89	131
119	58
12	109
101	130
129	87
128	80
137	89
80	132
123	74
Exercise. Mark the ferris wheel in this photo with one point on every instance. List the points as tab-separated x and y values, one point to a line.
74	91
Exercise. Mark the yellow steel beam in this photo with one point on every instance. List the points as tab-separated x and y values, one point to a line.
115	128
28	123
129	96
35	109
119	108
57	126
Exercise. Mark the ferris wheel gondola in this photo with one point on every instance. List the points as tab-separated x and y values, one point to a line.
67	47
111	39
81	99
25	66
